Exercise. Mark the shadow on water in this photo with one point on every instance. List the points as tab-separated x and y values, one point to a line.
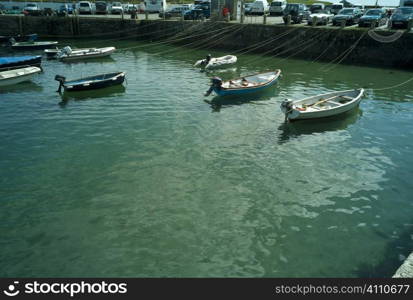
91	94
224	72
219	102
291	130
106	59
402	246
23	87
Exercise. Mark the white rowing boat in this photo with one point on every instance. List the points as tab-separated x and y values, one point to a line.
15	76
320	106
215	62
67	54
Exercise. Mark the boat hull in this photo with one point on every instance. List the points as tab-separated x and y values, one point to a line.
244	91
33	46
220	91
25	61
296	114
81	55
119	79
18	78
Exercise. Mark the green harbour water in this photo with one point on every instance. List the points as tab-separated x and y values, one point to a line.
149	180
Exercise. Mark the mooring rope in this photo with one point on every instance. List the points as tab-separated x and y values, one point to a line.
392	87
172	39
328	47
205	42
285	50
344	55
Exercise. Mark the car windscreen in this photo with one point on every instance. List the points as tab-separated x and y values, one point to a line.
346	12
404	10
84	4
373	12
291	7
276	3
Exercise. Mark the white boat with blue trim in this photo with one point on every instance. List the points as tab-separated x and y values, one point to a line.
321	106
244	85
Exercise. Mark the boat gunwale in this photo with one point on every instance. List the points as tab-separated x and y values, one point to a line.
91	80
356	98
277	75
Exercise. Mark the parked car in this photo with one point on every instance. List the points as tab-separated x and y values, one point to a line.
406	3
32	9
85	7
247	8
316	7
129	8
298	12
376	16
63	10
15	10
259	7
198	12
47	11
351	16
101	8
177	11
116	8
335	8
323	18
277	7
401	17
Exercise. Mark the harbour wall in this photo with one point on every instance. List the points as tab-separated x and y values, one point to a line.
329	44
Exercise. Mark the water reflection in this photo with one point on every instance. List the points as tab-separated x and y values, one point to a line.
291	130
107	59
112	91
27	86
219	102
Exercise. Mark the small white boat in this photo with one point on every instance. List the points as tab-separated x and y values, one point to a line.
320	106
67	54
244	85
51	53
215	62
14	76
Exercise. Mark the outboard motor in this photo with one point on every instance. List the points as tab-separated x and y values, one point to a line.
61	80
287	105
64	51
216	83
12	41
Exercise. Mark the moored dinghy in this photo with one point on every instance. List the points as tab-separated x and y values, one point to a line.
52	52
320	106
244	85
32	45
216	62
15	76
90	83
17	61
67	54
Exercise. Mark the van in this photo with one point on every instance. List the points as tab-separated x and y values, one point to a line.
85	7
155	6
335	8
317	7
259	7
277	7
